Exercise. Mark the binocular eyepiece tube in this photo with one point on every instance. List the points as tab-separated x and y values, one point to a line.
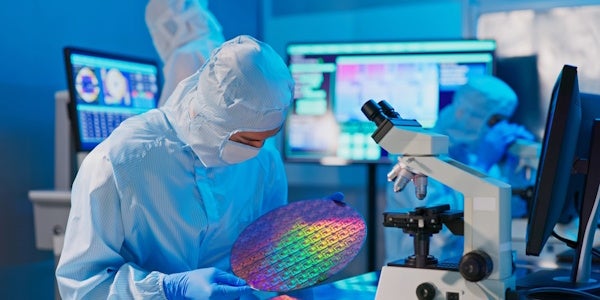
379	112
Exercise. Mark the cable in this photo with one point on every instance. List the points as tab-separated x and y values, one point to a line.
573	244
570	243
555	291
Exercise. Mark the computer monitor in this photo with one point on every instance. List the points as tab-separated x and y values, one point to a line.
333	80
104	90
565	134
585	183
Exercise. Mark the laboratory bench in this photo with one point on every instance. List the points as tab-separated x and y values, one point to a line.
51	213
364	287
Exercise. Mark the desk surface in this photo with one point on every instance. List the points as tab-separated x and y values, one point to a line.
361	287
364	286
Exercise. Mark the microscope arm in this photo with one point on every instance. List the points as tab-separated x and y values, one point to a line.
487	201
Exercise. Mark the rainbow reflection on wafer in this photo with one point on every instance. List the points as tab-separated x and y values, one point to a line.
298	245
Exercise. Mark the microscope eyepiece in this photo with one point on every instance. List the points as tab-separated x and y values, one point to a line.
388	110
373	112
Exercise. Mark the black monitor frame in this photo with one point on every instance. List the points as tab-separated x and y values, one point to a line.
130	65
557	154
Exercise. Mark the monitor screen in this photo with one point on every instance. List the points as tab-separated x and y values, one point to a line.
333	80
106	89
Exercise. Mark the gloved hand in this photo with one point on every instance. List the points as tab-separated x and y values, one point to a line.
337	197
208	283
495	143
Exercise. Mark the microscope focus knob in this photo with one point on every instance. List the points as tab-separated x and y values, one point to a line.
425	291
475	266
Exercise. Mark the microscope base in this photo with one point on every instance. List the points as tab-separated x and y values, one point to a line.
405	282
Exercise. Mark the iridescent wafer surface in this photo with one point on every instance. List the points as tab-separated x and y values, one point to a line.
298	245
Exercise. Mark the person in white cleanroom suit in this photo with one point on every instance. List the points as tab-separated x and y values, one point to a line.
479	136
157	206
184	32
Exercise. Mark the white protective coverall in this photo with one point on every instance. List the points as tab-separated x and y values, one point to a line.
184	33
160	195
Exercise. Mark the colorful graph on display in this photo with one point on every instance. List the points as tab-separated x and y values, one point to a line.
298	245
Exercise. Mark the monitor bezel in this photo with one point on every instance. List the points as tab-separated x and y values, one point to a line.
557	155
68	51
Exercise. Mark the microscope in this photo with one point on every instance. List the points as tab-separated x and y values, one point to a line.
485	270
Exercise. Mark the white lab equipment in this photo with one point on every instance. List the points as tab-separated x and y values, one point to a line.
485	270
51	207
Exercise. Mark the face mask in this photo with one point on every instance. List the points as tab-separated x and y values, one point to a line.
234	152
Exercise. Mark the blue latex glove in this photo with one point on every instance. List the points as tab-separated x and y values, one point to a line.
337	197
209	283
495	143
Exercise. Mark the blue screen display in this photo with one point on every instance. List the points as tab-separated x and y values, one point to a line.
334	80
105	90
